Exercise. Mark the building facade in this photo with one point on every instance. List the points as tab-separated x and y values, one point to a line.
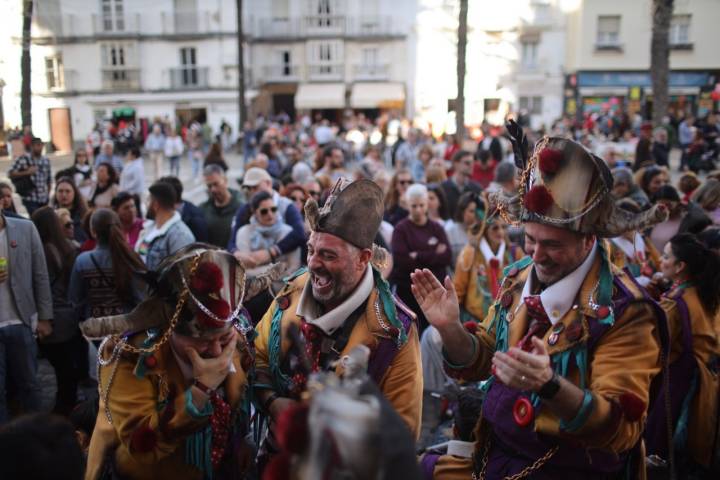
608	57
325	56
177	60
515	53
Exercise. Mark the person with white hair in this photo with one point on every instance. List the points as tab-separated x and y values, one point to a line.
107	155
417	242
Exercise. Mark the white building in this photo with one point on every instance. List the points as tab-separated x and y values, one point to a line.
608	56
328	55
177	59
514	61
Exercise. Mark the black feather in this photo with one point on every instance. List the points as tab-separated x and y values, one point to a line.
519	143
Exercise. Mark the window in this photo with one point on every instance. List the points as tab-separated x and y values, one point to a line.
186	16
118	64
680	30
54	73
608	31
286	63
370	57
113	15
280	9
529	53
325	57
532	105
189	71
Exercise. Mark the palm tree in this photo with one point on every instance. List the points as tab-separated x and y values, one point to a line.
25	91
461	48
242	109
660	58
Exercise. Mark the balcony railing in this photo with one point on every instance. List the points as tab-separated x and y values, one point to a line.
188	78
326	72
74	25
324	25
116	26
281	73
371	72
121	79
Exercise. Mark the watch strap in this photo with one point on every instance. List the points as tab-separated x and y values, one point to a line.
550	388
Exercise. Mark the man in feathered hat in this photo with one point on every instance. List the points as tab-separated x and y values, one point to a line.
340	301
570	345
172	390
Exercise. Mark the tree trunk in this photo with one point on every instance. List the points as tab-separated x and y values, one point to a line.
461	48
660	58
25	91
242	109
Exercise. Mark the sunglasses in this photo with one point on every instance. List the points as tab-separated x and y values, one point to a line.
265	211
297	198
314	193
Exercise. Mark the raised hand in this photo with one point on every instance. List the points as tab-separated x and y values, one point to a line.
439	303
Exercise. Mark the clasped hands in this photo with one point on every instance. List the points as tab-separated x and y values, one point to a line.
527	371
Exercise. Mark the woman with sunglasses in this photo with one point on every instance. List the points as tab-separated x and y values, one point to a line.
691	305
265	230
395	206
479	267
66	349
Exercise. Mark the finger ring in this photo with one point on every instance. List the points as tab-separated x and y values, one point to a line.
523	378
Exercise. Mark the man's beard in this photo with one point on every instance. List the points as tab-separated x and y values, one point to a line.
328	287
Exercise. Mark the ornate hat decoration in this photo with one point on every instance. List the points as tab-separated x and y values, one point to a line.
563	185
197	290
352	211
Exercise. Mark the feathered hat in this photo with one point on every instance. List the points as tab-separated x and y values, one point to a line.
198	289
564	185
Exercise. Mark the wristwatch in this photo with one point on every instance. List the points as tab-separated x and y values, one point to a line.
550	388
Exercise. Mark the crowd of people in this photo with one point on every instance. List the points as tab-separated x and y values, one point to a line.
527	278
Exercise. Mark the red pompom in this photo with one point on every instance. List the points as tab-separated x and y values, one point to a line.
291	429
471	326
538	199
143	440
632	407
494	263
219	307
278	468
550	160
208	278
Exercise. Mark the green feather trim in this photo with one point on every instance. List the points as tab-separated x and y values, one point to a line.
386	297
280	380
605	287
197	452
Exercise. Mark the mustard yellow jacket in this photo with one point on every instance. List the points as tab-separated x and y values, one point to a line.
401	384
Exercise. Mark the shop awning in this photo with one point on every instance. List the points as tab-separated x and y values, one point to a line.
320	95
377	95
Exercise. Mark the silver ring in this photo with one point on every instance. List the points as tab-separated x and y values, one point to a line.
523	378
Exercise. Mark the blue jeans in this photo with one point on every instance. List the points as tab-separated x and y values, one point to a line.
18	369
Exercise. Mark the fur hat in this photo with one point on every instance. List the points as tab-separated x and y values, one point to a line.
563	185
198	289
